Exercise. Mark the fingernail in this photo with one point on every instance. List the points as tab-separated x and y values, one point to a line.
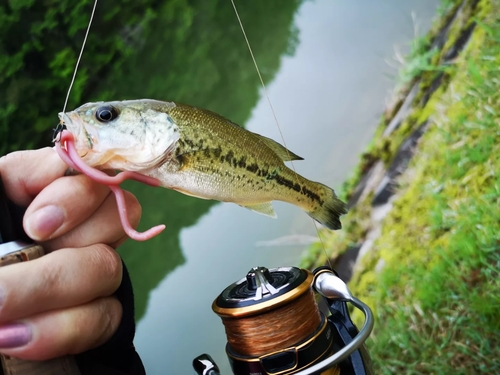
14	335
42	223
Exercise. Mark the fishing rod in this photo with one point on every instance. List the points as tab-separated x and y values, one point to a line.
274	325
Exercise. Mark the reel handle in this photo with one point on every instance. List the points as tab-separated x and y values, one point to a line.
205	365
15	247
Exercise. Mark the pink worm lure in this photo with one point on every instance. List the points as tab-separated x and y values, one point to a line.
65	147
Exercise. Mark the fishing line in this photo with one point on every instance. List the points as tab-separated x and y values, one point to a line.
256	68
261	80
256	335
80	56
274	114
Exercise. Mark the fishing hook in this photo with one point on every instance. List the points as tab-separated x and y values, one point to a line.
57	131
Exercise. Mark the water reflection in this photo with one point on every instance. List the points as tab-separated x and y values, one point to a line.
327	97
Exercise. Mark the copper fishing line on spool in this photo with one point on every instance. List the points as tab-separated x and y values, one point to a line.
274	325
275	329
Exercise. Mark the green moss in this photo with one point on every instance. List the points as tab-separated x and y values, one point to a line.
440	243
427	68
433	275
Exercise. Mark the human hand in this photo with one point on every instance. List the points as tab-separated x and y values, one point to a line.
61	303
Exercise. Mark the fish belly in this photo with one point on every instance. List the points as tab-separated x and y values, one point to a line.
235	185
256	192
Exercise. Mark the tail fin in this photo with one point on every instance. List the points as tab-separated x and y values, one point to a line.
329	212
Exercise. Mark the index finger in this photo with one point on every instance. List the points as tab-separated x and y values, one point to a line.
26	173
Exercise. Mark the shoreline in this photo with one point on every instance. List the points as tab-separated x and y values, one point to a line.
417	191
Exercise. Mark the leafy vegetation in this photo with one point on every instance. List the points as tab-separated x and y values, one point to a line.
433	275
39	44
185	50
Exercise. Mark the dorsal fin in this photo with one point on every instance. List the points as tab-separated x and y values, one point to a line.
281	151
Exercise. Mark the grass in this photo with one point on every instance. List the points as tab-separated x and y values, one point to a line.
433	276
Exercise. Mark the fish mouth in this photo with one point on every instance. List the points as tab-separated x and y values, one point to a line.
83	140
67	122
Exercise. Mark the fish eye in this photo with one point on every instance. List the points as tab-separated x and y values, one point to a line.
106	113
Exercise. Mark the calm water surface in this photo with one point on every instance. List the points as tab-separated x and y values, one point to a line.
328	97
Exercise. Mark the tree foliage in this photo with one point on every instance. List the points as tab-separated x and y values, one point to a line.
184	50
39	45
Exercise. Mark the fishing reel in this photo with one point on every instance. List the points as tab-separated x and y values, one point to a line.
274	325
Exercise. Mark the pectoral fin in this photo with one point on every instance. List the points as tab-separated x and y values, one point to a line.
262	208
284	153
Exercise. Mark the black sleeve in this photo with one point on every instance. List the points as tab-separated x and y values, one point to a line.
118	355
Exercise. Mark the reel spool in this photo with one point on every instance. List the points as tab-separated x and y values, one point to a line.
274	326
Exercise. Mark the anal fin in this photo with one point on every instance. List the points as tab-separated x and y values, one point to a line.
265	208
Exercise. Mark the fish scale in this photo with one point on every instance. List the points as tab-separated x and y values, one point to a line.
231	153
202	154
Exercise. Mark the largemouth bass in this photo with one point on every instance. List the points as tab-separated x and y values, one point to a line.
198	153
